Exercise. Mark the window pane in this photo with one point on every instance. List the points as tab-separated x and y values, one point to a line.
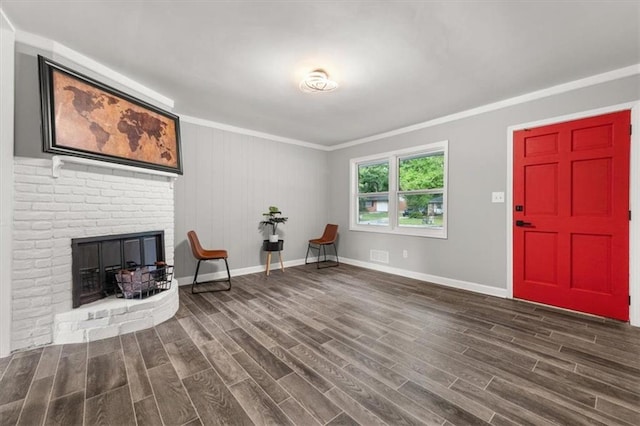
373	210
420	210
373	177
425	172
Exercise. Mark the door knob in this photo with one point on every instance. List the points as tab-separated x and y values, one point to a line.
523	223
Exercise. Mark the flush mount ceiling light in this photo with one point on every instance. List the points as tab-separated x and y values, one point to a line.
317	81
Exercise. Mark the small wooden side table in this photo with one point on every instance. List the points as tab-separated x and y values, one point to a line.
270	247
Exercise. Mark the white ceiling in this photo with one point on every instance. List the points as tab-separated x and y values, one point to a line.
398	63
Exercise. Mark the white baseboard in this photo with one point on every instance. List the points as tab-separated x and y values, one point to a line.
238	272
449	282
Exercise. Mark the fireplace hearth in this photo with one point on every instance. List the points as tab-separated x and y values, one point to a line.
98	261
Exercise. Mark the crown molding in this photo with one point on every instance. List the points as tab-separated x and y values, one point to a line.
539	94
63	51
249	132
6	19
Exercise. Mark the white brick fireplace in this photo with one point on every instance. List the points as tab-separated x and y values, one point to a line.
84	201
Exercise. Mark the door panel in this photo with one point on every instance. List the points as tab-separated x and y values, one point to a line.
541	145
540	257
541	189
592	137
591	183
572	248
591	263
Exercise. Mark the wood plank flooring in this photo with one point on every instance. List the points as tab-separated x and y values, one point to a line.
340	346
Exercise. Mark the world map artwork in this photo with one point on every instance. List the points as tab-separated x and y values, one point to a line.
93	120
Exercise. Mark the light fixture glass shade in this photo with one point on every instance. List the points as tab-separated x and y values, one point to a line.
317	81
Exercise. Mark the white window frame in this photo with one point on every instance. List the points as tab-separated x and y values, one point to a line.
393	158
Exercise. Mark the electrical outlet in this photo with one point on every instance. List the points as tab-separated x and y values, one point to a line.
497	197
405	253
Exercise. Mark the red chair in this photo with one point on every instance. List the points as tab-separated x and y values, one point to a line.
203	254
328	238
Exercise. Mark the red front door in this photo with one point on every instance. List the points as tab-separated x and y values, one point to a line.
571	215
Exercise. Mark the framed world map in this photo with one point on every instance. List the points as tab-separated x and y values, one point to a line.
85	118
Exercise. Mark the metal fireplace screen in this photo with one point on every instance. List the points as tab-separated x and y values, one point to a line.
97	260
144	281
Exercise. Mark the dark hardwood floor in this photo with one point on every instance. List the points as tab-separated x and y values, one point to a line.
339	346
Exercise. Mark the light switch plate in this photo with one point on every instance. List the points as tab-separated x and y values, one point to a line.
497	197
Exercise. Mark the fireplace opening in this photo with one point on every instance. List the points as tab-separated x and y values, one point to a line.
97	261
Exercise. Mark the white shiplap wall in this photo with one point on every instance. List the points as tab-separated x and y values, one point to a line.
229	180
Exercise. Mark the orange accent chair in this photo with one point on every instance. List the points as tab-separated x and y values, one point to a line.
203	254
328	238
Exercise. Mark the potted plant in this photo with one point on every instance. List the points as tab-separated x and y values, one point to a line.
273	218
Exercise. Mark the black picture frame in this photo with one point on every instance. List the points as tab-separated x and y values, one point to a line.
85	118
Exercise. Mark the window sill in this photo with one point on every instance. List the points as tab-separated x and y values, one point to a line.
424	233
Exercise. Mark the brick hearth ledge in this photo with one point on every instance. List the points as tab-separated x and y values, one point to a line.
113	316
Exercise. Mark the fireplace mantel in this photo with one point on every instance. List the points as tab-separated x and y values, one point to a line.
57	161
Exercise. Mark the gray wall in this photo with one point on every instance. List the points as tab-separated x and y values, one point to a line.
28	138
476	248
230	179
